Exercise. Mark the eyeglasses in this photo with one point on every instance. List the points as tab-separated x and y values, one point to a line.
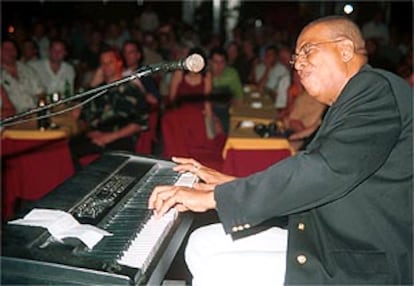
307	49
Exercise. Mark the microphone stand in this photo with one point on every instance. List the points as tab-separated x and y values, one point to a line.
141	72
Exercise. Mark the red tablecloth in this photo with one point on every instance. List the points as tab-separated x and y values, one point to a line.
32	168
241	163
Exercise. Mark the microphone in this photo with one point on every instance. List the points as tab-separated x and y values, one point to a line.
193	63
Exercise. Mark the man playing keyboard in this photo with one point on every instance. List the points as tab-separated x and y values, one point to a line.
343	206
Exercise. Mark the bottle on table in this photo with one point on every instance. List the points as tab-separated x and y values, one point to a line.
68	90
42	123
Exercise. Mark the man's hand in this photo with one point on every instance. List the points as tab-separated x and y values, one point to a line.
208	175
182	199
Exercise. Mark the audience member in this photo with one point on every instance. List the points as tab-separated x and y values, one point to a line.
377	29
235	59
188	125
30	51
55	73
41	39
113	36
284	55
20	82
150	48
193	88
168	44
149	20
271	76
249	59
338	212
113	120
90	56
227	87
132	54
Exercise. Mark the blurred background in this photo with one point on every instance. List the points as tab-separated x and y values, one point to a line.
164	25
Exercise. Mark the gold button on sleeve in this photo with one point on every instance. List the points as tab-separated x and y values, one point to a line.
301	259
301	226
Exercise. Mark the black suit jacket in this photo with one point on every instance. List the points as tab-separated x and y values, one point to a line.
348	196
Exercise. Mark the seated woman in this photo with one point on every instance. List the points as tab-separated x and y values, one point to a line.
189	127
190	88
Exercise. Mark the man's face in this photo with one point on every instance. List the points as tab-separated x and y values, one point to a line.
29	50
57	52
131	55
232	51
218	64
270	58
8	53
319	63
111	65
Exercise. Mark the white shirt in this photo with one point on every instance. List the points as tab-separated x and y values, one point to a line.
55	82
43	44
278	81
23	91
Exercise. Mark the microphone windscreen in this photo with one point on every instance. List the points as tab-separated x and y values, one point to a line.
194	63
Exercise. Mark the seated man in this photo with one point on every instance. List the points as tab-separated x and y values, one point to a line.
339	212
19	82
55	73
113	120
273	77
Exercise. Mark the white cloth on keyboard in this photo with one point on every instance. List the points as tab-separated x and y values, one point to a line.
214	258
62	225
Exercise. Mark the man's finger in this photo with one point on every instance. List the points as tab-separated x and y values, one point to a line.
182	160
155	193
166	205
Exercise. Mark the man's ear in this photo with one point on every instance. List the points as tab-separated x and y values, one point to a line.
347	50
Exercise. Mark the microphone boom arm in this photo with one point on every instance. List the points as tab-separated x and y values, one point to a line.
141	72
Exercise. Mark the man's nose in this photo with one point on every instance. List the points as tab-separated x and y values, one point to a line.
300	63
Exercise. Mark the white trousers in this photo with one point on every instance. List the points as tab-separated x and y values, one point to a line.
215	259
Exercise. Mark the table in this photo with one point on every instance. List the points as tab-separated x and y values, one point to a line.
245	152
34	162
